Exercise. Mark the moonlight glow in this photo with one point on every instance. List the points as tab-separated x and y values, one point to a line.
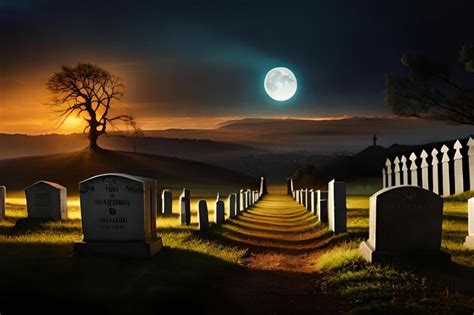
280	84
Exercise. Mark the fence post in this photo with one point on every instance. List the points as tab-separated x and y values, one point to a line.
458	172
397	171
413	169
424	170
470	154
388	164
434	169
404	170
445	170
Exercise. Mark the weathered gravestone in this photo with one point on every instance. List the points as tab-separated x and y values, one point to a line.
203	215
233	205
46	200
167	202
185	207
219	211
322	205
118	216
404	226
263	187
470	222
337	212
3	199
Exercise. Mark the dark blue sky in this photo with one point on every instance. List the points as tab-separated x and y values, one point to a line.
208	58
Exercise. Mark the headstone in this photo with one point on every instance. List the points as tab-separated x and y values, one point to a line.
470	154
241	200
445	170
46	200
233	205
458	171
185	207
288	186
424	170
263	187
322	205
384	178
312	202
405	225
414	170
203	215
434	170
118	216
337	212
167	202
470	222
397	171
388	165
3	200
404	170
219	211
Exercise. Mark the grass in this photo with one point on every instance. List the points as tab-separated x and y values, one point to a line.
38	264
373	288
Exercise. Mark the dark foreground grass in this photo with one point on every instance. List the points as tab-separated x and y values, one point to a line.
372	288
40	270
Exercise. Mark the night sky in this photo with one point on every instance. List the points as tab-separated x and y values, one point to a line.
207	59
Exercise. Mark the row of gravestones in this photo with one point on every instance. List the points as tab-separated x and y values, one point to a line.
119	211
405	222
329	206
397	172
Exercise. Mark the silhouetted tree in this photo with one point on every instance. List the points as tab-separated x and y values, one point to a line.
429	92
87	91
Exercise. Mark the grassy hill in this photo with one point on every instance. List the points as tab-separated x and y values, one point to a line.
70	168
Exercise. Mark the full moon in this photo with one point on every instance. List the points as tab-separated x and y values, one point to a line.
280	84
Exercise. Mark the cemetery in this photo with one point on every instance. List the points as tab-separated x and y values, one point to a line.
236	157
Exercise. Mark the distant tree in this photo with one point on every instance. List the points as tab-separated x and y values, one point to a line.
428	91
87	91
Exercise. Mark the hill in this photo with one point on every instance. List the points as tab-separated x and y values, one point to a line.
69	169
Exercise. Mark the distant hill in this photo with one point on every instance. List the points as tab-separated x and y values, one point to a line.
69	168
14	146
321	136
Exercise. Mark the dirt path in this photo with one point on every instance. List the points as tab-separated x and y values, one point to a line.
280	274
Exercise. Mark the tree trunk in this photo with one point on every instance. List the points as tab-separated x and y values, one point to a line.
93	137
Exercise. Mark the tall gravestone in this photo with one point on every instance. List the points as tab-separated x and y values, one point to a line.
470	222
219	211
167	202
185	207
233	205
46	200
322	205
118	216
337	212
203	215
3	200
405	225
263	187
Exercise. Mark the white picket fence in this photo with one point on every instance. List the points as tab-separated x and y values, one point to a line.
428	173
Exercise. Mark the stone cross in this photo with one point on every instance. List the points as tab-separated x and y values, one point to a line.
404	170
46	200
405	225
458	171
203	215
424	170
388	165
167	202
414	170
434	170
337	212
185	207
396	169
445	170
3	198
219	211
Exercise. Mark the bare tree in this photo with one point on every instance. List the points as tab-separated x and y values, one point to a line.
87	91
429	92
